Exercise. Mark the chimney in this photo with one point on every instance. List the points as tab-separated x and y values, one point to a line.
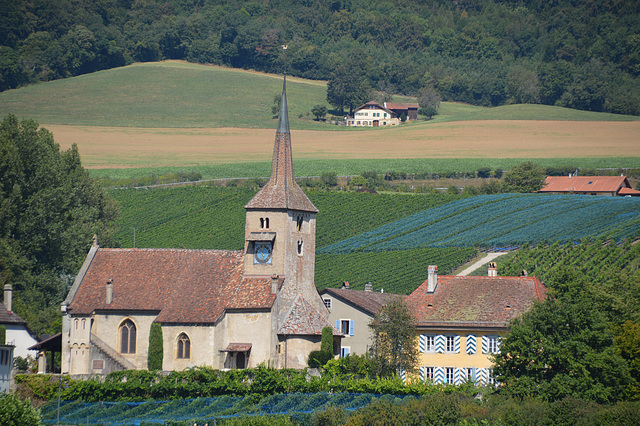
432	282
345	285
493	269
8	295
368	286
109	291
274	284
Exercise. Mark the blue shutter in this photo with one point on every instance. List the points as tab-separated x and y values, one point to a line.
440	343
472	344
403	375
498	343
438	375
456	375
484	376
423	374
352	327
485	344
456	344
338	326
423	343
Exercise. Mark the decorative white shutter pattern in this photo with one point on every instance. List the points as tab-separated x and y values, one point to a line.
472	344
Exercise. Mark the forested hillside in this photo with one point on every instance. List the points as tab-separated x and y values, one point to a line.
583	55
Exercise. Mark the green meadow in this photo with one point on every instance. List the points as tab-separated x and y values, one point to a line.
183	95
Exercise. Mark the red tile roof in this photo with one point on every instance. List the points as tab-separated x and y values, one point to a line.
303	320
584	184
629	191
369	301
7	317
468	301
183	286
394	105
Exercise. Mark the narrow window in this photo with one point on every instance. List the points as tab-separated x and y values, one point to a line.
428	373
327	303
299	222
262	223
344	351
449	375
266	222
128	337
344	326
84	324
451	343
430	343
300	247
184	346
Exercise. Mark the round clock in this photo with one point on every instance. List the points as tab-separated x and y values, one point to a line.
263	253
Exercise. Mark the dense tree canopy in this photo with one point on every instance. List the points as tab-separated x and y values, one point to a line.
492	52
525	177
581	342
49	210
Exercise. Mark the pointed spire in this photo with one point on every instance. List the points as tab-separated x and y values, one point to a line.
283	118
282	191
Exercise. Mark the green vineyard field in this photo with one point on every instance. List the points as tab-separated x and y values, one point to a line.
595	260
503	220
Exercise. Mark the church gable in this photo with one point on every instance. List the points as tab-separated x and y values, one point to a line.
183	286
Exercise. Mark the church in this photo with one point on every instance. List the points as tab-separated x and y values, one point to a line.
217	308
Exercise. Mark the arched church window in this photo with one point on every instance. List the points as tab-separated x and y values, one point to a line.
299	222
300	243
264	222
128	337
184	346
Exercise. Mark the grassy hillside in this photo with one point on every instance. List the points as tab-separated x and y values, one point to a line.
178	94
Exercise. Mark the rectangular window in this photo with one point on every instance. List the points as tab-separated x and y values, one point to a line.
430	343
346	327
327	303
449	375
492	341
451	343
469	374
344	351
492	379
428	373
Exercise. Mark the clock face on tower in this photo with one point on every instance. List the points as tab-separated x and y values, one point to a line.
262	253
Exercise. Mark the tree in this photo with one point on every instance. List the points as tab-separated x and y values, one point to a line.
348	86
429	100
525	177
329	178
562	348
395	340
156	348
319	111
275	108
50	208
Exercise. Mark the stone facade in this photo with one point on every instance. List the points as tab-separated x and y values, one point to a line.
222	309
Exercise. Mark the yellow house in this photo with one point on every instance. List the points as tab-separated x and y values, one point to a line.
460	320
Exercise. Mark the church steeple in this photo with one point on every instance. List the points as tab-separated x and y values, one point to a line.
282	191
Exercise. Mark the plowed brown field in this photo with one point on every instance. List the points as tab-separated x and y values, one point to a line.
104	147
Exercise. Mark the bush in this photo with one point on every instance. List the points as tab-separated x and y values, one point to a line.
14	411
318	359
327	340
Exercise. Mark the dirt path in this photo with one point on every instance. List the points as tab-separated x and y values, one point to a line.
488	258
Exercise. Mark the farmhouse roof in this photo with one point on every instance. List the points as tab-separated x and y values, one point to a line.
7	317
470	301
373	105
303	319
183	286
585	184
395	105
369	301
282	191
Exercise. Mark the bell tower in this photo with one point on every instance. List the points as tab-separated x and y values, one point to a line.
280	229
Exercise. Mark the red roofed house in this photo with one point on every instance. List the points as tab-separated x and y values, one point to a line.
224	309
372	114
409	110
351	311
460	319
592	185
